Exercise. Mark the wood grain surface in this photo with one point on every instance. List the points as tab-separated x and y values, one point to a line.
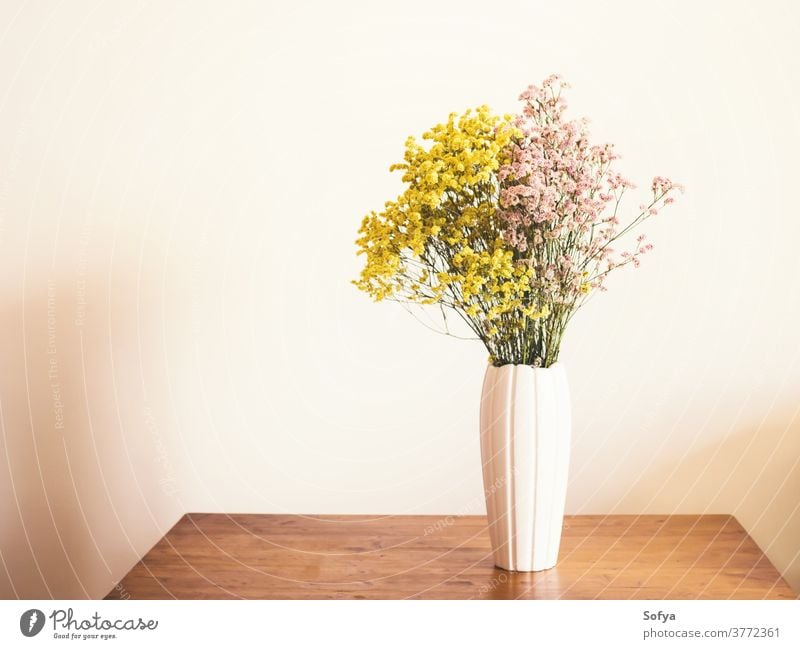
222	556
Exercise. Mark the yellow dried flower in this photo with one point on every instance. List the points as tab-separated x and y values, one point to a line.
437	243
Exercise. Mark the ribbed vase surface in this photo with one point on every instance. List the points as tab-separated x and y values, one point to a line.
525	444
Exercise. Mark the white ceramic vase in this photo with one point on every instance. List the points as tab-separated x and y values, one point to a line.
525	444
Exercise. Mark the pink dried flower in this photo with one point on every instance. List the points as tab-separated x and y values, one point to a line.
558	191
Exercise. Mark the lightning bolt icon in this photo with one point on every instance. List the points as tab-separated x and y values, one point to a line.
32	621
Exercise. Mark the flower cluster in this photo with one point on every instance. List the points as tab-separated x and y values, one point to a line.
508	221
439	242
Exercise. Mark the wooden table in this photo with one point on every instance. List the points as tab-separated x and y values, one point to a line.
386	557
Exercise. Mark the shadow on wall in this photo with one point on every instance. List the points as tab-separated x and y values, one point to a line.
82	494
754	474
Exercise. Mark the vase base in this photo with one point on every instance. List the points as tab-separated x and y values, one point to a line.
524	569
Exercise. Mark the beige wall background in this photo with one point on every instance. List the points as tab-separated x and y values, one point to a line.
180	186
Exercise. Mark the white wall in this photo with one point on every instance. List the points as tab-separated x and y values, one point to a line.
180	187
